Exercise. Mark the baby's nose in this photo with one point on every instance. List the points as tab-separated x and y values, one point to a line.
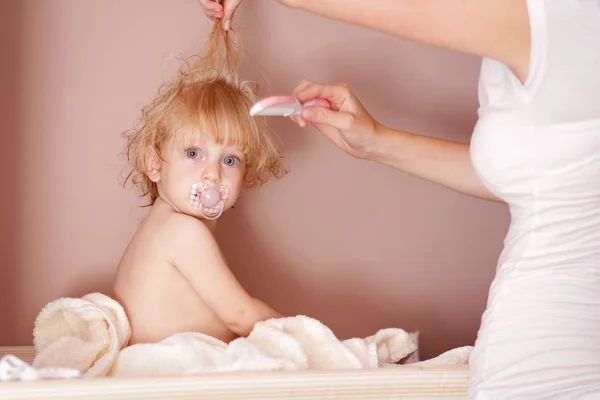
212	174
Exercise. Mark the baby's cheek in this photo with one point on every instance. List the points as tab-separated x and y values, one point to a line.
233	196
236	176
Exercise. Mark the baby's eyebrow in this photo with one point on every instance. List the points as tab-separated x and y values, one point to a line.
235	150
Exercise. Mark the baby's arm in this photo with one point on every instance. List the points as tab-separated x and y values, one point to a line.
196	254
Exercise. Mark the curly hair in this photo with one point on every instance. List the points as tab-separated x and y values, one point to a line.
209	96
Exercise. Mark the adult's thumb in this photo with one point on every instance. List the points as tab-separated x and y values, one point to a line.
337	119
229	7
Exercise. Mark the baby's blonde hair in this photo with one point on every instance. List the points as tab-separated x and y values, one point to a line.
209	96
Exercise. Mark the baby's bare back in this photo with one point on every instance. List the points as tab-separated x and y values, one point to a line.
157	298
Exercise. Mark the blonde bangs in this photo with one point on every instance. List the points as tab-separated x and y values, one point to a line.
219	112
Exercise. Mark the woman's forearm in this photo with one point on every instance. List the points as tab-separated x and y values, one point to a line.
439	161
497	29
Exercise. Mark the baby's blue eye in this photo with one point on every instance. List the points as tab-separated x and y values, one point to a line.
230	161
192	153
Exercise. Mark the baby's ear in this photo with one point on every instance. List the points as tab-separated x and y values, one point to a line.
152	165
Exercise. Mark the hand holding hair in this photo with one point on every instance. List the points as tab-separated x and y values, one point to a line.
224	9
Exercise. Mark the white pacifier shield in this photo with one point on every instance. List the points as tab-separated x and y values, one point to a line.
208	200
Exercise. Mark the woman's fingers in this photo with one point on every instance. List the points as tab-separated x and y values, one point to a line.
336	94
299	120
302	86
210	6
224	9
319	115
229	7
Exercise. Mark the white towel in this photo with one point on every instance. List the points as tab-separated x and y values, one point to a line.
82	333
293	343
13	368
90	334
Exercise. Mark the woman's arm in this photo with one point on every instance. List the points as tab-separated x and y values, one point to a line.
350	126
497	29
439	161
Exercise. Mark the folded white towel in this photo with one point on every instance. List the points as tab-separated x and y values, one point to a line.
85	334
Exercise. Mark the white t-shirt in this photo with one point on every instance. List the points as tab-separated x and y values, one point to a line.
537	146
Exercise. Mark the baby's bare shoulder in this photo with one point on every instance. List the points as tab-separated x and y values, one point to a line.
180	231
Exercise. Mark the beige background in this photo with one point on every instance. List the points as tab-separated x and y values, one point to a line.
354	244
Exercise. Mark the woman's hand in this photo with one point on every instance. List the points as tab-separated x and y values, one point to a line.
214	9
347	124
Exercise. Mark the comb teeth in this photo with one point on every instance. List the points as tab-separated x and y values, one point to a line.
256	108
277	111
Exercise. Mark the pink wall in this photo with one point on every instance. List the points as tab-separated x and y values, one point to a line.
74	74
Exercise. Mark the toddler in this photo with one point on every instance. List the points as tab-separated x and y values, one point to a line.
195	151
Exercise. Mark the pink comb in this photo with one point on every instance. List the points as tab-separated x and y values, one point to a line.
284	106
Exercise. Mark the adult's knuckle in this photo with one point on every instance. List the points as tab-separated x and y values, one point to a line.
348	121
320	114
344	88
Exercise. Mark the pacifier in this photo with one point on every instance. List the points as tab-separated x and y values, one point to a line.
208	200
